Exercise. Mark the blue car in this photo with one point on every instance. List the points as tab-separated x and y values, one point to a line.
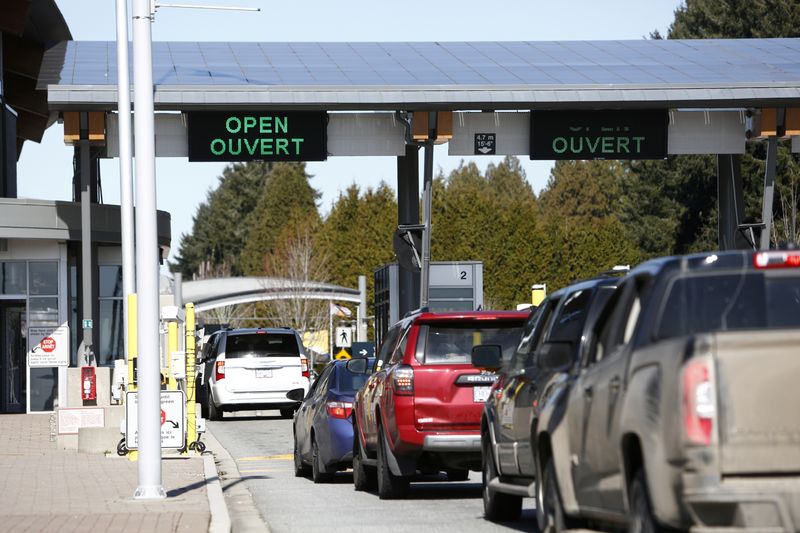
323	426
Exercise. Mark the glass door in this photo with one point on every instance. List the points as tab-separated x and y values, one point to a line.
13	356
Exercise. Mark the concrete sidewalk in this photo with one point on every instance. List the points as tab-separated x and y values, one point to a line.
44	488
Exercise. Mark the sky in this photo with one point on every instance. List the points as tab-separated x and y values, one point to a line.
45	170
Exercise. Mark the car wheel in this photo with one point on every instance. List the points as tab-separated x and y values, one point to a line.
363	475
390	487
457	475
287	413
641	516
549	509
300	468
318	473
497	507
214	412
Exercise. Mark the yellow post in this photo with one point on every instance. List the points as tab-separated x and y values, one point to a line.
132	353
191	393
172	347
538	293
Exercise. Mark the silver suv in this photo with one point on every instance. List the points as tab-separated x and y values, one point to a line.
247	369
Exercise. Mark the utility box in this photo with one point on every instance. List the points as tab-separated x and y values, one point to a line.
453	286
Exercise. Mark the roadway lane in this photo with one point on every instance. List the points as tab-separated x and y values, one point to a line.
262	444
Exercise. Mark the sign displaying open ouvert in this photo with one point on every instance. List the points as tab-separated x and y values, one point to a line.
255	135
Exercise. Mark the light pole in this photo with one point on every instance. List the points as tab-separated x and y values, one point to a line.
149	383
125	177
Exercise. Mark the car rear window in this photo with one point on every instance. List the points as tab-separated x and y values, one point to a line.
346	381
246	345
452	343
703	304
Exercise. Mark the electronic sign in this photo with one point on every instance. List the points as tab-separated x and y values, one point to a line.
257	136
599	134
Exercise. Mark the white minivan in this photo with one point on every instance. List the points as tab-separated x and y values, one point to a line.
248	369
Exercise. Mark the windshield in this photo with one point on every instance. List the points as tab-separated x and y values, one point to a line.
452	344
701	304
247	345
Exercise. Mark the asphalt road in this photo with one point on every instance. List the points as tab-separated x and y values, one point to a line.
261	444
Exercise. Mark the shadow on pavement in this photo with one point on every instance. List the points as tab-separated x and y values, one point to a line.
228	485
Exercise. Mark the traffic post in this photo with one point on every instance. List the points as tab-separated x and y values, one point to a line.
191	390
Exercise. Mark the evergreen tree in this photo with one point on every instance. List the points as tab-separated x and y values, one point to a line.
671	206
214	246
287	194
356	236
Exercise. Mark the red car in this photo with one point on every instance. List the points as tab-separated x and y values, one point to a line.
420	409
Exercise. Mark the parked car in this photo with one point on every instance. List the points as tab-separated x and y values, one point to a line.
245	369
532	384
421	406
323	426
684	411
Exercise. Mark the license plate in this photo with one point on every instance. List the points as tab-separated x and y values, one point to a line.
480	394
263	372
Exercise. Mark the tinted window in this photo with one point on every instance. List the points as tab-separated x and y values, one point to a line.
261	345
701	304
568	324
452	343
346	381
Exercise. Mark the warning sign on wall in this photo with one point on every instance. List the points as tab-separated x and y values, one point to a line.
48	346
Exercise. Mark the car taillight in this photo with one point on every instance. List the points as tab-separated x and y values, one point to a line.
219	370
699	404
777	259
403	380
497	387
340	409
304	367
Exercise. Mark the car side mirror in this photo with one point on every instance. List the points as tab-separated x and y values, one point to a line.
487	356
556	355
358	365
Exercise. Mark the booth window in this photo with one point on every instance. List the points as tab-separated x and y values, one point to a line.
13	277
111	333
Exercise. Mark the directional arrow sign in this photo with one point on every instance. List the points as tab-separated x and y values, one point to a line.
363	349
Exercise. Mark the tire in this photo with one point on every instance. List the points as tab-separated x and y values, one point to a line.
287	413
549	507
300	468
457	475
390	487
318	473
641	510
214	412
363	475
497	507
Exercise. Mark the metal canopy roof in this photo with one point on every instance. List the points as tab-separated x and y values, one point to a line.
442	75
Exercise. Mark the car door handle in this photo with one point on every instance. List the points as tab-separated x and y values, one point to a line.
614	385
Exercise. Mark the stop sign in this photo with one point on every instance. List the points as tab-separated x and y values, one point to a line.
163	417
48	344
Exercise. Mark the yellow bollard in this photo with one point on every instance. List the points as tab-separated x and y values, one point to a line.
172	347
538	293
191	362
132	352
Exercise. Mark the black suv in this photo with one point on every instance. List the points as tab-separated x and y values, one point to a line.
546	354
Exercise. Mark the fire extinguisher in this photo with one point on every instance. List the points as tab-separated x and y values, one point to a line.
88	383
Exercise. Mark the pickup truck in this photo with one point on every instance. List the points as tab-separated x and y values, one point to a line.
684	410
420	409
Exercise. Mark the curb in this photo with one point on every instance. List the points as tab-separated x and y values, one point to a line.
237	501
220	519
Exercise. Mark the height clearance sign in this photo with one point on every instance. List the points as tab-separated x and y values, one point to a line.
255	135
599	134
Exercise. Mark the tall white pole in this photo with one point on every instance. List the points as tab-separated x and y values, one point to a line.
125	177
149	437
